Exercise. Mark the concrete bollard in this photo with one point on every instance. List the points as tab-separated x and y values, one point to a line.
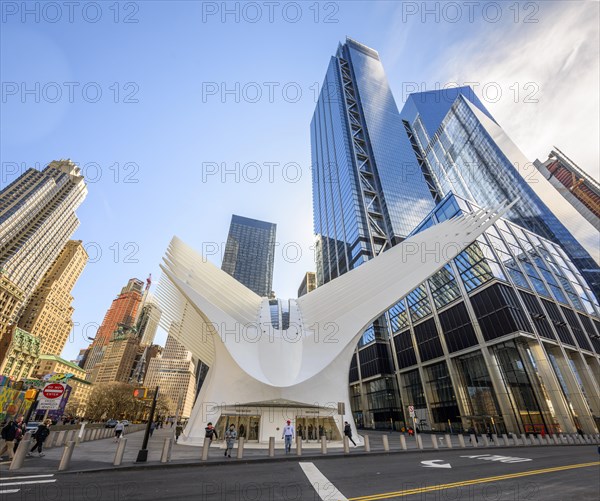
323	445
22	451
51	440
60	439
299	446
555	439
403	442
533	440
205	447
486	441
65	460
271	447
495	439
516	439
434	442
164	457
240	449
346	445
120	451
448	439
367	441
420	441
461	441
386	443
524	439
474	440
505	439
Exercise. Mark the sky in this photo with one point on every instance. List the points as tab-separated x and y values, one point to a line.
183	113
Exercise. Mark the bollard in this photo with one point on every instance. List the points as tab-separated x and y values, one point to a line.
386	443
299	445
420	441
555	439
51	440
346	445
323	445
448	441
120	451
67	455
495	439
461	440
524	439
80	434
271	447
486	441
240	450
434	442
403	442
164	457
367	443
474	440
205	447
505	439
60	439
22	451
533	440
516	439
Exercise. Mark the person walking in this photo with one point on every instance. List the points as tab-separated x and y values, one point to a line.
20	433
40	436
287	435
9	432
178	431
152	427
230	438
119	430
348	432
210	432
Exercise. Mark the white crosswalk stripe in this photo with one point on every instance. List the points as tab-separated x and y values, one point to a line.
23	480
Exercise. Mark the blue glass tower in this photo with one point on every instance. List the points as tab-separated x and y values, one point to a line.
466	152
369	191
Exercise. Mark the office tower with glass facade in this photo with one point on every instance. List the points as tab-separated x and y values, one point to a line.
506	333
309	283
250	253
466	152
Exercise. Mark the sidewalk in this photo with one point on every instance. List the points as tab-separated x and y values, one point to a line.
99	454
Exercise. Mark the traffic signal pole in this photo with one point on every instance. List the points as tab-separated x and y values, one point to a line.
143	452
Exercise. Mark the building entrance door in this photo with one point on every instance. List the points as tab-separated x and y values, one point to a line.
313	428
246	426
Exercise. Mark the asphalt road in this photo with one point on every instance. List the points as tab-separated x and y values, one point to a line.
548	473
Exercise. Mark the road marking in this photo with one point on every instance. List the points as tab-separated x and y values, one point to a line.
10	491
325	489
433	463
27	476
421	490
502	459
25	483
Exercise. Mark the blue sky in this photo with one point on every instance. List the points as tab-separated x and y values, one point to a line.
151	142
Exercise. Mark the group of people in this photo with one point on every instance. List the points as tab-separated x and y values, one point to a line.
14	431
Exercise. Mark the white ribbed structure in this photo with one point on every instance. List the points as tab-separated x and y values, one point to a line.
253	360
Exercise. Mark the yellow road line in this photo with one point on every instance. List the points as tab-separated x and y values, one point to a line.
420	490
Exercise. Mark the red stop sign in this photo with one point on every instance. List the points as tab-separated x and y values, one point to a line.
53	390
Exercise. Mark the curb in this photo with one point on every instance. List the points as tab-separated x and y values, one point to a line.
294	458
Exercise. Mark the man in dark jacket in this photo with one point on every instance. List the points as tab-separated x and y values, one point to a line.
348	432
9	432
40	437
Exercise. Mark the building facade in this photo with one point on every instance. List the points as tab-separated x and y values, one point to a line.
148	321
11	299
37	218
119	357
122	312
580	189
48	314
174	372
21	355
377	175
309	283
80	388
250	253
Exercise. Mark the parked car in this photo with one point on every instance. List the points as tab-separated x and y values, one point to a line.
125	422
111	423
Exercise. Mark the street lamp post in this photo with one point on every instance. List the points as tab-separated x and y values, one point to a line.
143	452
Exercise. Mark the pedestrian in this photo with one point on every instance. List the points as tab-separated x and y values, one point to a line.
230	438
348	432
119	430
287	435
21	430
152	427
489	435
473	433
9	432
210	432
40	436
178	431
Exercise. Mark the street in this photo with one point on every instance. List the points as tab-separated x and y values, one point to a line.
542	473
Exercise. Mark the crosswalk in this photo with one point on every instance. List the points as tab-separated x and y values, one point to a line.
11	485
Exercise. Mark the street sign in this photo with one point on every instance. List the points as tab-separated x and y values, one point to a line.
51	396
411	411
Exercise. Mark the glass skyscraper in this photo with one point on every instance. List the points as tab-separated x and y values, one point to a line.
506	336
458	142
250	253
